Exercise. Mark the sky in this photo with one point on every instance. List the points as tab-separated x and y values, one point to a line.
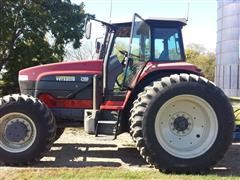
202	19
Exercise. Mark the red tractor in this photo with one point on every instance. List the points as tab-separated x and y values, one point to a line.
179	120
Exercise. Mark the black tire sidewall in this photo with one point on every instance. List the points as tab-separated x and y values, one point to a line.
216	99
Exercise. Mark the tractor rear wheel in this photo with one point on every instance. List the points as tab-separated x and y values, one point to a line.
27	130
182	123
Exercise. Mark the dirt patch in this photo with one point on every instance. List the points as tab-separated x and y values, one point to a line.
77	149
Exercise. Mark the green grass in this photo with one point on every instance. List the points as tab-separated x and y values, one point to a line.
99	173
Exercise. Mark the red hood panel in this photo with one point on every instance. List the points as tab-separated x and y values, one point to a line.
63	68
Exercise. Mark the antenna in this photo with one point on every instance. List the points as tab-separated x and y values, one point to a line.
188	9
110	15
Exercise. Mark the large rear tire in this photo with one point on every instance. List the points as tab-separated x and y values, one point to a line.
27	130
182	124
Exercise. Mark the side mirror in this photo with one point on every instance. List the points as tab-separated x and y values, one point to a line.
97	46
88	30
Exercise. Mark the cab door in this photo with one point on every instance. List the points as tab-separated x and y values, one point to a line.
139	51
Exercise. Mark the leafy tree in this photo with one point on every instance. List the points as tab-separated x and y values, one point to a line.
205	60
35	32
87	51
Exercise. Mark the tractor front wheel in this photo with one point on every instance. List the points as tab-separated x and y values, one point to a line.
27	130
182	124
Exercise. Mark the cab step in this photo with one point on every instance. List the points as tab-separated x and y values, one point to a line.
106	129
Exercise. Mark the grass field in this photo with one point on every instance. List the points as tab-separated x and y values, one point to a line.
99	173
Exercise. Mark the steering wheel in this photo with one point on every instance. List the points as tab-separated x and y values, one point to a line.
125	53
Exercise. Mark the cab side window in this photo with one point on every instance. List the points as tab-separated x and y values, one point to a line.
167	44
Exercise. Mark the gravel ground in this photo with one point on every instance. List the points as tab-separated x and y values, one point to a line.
77	149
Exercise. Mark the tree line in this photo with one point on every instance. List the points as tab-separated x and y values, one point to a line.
202	58
36	32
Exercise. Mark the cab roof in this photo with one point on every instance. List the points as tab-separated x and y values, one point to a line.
162	22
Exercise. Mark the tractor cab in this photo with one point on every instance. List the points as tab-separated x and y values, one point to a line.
151	40
130	48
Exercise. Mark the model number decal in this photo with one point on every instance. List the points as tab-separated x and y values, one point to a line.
84	79
65	78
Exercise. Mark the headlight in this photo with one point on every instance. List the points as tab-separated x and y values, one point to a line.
23	78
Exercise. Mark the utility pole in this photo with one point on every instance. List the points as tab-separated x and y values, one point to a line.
110	15
188	8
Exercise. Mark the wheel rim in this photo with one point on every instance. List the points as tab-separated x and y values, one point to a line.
186	126
17	132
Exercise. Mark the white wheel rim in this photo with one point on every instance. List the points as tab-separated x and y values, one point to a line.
186	126
26	141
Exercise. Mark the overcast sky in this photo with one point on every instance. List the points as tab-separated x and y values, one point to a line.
201	26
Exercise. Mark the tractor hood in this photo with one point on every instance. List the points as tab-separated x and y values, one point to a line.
87	67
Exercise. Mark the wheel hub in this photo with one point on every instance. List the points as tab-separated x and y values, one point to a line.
16	131
180	123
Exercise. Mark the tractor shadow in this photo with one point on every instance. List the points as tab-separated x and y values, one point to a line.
119	153
90	155
230	164
110	155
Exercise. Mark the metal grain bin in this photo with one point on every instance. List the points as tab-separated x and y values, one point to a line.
228	47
